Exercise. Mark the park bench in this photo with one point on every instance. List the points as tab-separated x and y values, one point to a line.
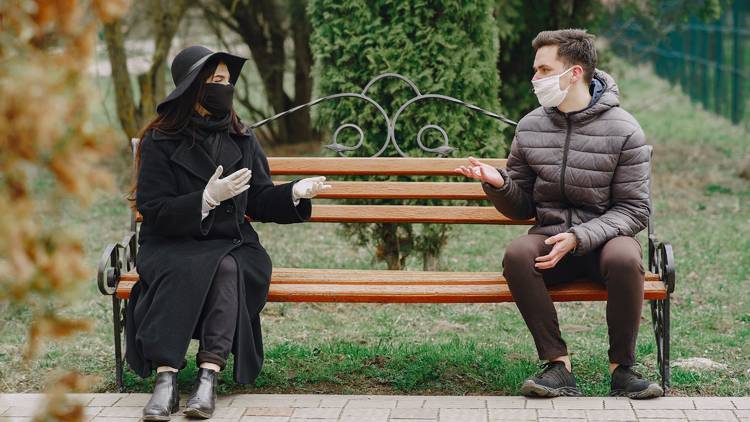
117	272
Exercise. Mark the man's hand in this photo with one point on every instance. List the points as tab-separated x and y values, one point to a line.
481	171
564	243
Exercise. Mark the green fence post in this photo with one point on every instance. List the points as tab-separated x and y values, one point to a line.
737	88
719	60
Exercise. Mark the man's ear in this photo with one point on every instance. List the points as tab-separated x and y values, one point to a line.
577	73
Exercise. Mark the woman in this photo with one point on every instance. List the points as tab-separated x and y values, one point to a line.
204	274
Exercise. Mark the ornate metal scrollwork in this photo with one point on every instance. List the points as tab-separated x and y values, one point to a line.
390	121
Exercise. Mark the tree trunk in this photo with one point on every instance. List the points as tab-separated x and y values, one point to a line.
166	19
261	25
126	110
430	261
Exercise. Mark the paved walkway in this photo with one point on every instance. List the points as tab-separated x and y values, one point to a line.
354	408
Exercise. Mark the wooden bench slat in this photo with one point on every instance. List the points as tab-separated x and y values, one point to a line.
347	276
410	214
382	286
325	166
405	214
574	291
402	190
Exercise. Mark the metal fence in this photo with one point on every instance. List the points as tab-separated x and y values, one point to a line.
709	60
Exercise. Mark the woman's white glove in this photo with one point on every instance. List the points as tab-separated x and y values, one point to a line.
218	190
308	188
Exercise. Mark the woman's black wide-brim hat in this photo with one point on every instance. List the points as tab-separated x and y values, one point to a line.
187	64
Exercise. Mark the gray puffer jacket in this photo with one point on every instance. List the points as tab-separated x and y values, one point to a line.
585	172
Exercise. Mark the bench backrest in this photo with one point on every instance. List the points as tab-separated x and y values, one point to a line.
333	166
445	214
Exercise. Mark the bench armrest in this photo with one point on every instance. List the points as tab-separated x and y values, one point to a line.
661	260
116	257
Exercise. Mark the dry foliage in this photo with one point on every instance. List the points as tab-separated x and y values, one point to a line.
49	152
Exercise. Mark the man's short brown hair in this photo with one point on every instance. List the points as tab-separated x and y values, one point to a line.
574	46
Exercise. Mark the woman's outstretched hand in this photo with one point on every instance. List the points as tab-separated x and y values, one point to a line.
221	189
483	172
309	187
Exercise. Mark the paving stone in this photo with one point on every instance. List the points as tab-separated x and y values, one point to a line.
414	413
660	413
455	403
412	420
561	413
268	411
661	420
106	399
15	411
264	419
122	411
463	415
617	403
333	402
713	403
374	403
317	412
558	420
539	404
611	415
410	403
577	403
135	399
505	402
513	414
710	415
21	400
365	412
664	403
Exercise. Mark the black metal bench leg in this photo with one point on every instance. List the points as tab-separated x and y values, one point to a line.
660	317
665	375
117	325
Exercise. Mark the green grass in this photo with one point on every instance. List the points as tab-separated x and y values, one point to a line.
701	207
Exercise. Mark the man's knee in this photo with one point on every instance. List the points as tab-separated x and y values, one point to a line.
522	252
621	255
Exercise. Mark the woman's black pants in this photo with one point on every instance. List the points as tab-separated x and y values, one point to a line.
218	320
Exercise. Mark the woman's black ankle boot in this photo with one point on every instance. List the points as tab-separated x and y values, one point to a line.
165	400
202	401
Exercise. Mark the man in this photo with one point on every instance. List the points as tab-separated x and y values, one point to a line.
579	164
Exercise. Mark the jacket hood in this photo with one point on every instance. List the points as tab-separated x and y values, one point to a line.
609	98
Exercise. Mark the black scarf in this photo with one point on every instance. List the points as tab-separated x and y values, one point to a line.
209	132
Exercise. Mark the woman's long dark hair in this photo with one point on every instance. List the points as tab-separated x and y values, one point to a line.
175	118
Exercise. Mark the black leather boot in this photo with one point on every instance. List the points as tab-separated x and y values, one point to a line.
165	400
202	401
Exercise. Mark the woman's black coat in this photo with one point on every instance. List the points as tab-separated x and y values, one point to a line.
179	253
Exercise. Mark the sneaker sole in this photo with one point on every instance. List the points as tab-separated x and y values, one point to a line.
532	389
651	392
195	413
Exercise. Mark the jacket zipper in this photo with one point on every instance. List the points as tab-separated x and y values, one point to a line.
564	165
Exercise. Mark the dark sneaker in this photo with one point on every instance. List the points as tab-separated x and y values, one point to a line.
628	383
553	381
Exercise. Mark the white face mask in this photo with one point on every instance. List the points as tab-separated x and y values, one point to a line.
548	90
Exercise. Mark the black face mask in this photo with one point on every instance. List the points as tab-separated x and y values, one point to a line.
217	98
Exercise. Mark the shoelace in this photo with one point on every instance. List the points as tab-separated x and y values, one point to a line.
632	371
547	367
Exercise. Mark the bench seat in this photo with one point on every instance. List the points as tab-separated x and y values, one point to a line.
383	286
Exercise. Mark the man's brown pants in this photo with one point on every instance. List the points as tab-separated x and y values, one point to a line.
618	264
